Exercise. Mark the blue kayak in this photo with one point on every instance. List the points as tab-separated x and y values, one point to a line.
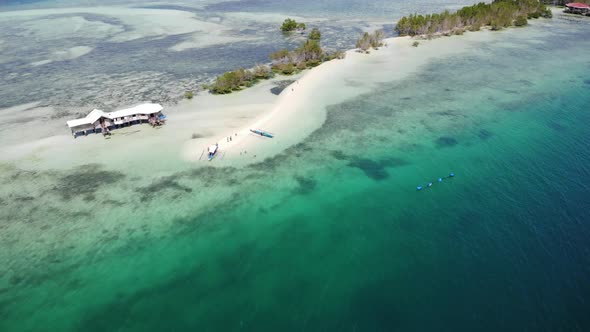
262	133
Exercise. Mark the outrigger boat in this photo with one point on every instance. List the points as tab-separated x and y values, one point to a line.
212	151
262	133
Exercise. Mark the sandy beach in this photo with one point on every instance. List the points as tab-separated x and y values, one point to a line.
207	119
36	136
301	107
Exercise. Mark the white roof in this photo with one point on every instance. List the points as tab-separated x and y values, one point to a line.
97	114
139	109
89	119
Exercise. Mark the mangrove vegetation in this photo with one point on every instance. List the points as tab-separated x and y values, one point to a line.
239	79
292	25
315	34
309	54
370	40
497	15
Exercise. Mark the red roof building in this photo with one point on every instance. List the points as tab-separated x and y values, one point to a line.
577	8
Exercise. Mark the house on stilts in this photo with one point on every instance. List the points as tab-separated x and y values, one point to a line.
102	122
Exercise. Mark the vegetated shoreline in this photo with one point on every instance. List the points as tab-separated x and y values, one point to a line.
293	115
494	16
283	62
290	105
498	14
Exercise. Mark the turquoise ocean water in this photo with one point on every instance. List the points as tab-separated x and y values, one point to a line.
331	235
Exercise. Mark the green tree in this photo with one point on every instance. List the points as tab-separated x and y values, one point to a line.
315	34
498	14
289	25
310	50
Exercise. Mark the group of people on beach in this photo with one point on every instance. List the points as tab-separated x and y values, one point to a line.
155	121
229	138
104	129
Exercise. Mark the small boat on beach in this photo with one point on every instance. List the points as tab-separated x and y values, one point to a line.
212	151
262	133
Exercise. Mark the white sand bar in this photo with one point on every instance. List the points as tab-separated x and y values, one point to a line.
193	125
301	108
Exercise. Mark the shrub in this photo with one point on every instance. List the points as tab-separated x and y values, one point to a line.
459	31
369	40
261	72
280	56
520	21
339	54
310	50
313	62
496	26
188	95
289	25
231	81
335	55
376	38
315	34
415	44
534	15
364	43
284	68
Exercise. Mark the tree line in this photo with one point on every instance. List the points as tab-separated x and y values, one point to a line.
498	14
308	54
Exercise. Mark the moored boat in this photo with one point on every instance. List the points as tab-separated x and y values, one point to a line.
212	151
262	133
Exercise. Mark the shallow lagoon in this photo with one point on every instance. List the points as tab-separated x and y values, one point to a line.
142	51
